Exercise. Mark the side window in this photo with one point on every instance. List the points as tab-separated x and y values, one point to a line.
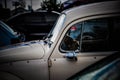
95	35
72	38
90	35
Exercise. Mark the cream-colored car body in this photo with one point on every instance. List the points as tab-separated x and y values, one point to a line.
43	60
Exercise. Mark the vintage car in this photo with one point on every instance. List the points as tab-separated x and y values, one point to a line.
81	37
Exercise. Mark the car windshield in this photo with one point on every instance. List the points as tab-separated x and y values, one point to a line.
55	31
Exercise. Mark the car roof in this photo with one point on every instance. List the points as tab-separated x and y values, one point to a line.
106	7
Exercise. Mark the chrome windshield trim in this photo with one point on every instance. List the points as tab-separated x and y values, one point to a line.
58	27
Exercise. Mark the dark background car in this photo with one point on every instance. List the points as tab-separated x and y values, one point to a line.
8	36
35	25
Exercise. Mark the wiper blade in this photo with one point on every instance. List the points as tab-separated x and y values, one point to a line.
47	40
50	35
47	36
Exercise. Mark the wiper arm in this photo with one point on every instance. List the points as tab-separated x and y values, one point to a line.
50	35
47	40
47	36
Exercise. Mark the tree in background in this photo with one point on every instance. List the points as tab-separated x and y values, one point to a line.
4	13
19	3
15	4
19	7
51	5
22	3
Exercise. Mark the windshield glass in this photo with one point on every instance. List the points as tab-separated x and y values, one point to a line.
57	27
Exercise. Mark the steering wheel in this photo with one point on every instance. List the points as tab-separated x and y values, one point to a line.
88	36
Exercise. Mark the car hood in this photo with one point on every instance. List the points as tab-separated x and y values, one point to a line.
22	51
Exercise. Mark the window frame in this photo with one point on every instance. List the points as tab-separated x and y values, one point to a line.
80	20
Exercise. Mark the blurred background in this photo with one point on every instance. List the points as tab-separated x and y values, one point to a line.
11	4
16	6
26	20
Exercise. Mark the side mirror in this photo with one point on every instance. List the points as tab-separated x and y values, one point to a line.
71	56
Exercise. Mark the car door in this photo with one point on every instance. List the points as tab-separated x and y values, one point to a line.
83	43
105	69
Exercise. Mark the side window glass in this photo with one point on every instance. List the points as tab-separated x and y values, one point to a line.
72	38
95	34
87	36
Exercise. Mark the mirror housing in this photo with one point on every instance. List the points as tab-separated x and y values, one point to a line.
71	56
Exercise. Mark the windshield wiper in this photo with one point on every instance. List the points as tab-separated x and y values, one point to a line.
47	40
